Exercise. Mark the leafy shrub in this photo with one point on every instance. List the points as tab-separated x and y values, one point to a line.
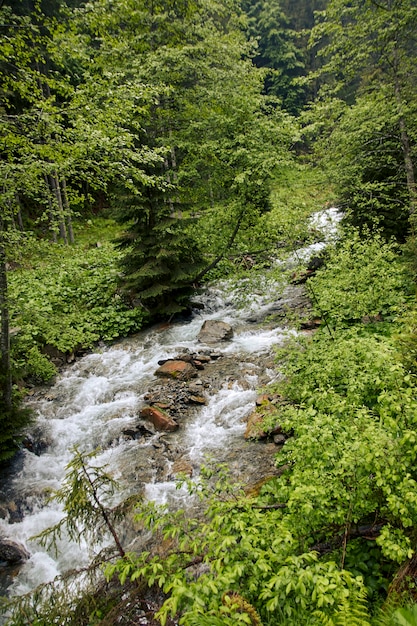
253	572
68	303
362	277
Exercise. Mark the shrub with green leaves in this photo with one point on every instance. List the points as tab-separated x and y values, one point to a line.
68	303
253	571
362	277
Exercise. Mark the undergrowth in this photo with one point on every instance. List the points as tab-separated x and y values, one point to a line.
64	299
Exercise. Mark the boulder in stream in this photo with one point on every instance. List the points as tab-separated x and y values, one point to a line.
213	331
158	417
180	370
12	552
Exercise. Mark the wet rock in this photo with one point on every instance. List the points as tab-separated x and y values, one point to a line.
12	552
180	370
137	432
264	398
37	441
203	358
213	331
182	466
254	428
160	419
197	400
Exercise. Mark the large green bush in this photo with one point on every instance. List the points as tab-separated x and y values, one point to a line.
67	302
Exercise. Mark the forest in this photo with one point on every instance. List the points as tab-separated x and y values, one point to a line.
150	147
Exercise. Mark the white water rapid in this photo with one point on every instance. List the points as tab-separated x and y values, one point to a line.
95	402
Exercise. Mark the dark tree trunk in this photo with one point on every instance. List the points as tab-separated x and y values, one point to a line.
52	219
67	210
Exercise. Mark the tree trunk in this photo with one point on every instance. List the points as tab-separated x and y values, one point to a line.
405	144
67	210
51	208
54	182
5	375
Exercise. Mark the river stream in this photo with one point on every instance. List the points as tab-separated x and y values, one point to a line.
94	403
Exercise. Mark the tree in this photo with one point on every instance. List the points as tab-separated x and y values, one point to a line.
375	41
277	52
13	418
196	133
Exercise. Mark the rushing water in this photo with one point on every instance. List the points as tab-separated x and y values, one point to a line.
95	402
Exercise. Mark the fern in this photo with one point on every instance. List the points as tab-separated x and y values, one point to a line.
406	616
352	611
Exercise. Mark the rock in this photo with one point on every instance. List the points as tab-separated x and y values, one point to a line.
302	277
158	418
198	400
195	387
213	331
265	406
310	324
13	552
254	426
180	370
203	358
137	432
264	398
279	440
315	263
182	466
36	443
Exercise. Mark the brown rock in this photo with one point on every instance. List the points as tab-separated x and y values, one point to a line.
266	406
182	466
180	370
254	426
203	358
198	399
264	398
310	324
159	418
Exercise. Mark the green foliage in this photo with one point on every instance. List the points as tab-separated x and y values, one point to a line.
277	52
84	494
252	567
369	63
405	617
160	260
78	597
14	420
362	278
69	302
365	158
